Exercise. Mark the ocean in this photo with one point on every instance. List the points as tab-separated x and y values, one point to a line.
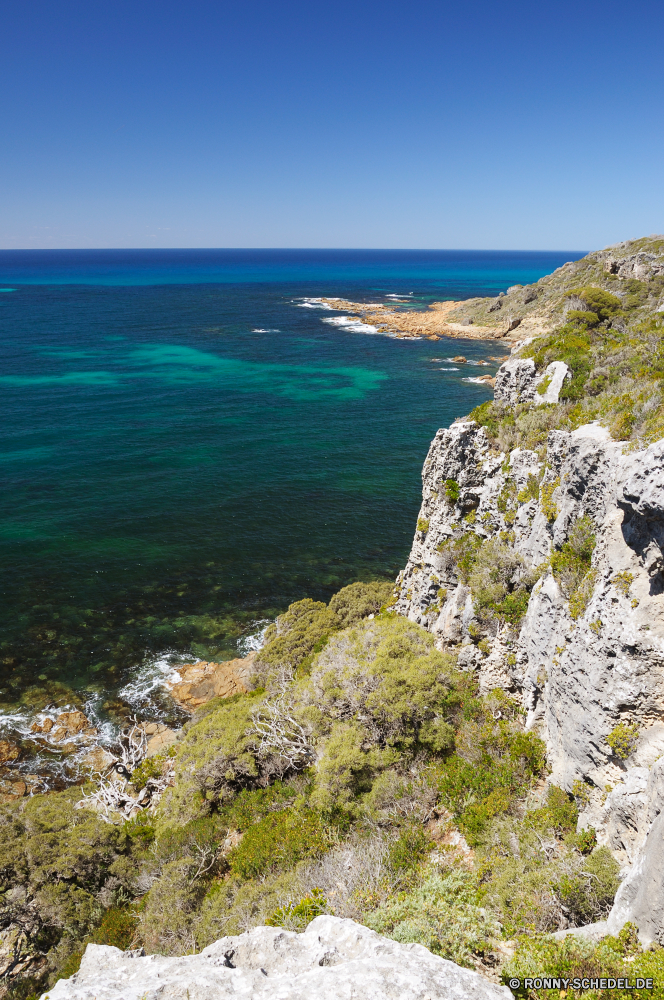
188	446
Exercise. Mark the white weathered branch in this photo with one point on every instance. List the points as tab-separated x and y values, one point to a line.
281	735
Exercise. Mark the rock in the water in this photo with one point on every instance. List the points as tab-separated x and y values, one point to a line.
69	725
202	681
8	752
334	959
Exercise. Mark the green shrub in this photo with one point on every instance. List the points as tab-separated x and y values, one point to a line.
359	600
602	303
622	739
251	805
441	913
422	525
588	893
571	958
215	760
296	916
486	415
349	763
549	508
585	841
500	763
492	580
410	850
582	317
623	581
151	767
293	638
571	566
452	490
169	910
581	792
560	813
279	841
117	928
530	491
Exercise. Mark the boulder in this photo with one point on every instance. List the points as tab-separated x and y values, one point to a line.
200	682
71	725
8	752
160	741
334	959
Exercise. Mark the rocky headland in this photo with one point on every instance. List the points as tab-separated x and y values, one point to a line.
422	790
523	310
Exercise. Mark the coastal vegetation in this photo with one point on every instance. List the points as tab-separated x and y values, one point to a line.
367	778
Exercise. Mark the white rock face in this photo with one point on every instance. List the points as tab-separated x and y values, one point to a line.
577	678
334	959
518	382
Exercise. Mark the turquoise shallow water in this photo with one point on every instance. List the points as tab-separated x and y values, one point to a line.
186	449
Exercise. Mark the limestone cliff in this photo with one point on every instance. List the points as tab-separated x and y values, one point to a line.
544	568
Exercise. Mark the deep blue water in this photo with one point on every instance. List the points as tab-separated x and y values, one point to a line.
186	449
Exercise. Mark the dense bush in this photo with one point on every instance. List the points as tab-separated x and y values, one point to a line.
294	636
441	913
359	600
279	841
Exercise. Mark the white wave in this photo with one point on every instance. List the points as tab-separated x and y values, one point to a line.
267	330
313	304
107	730
477	381
448	369
150	678
18	721
351	324
254	640
400	295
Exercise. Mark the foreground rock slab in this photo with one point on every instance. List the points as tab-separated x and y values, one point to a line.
334	959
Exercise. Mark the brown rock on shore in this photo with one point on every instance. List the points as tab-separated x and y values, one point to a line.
160	738
201	682
8	752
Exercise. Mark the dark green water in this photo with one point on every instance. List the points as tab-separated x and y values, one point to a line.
187	450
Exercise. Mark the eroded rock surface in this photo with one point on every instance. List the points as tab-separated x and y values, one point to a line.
200	682
335	959
580	675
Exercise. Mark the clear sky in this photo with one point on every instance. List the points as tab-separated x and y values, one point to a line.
331	123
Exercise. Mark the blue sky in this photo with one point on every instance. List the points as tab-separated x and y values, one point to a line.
330	124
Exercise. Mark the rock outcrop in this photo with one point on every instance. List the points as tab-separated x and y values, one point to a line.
517	381
200	682
334	959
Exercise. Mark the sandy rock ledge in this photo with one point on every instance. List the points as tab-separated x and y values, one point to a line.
335	959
